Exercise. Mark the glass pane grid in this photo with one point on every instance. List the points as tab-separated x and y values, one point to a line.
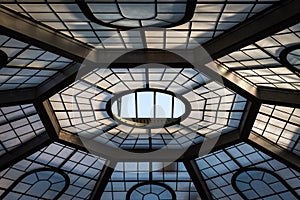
209	20
280	125
128	174
28	66
18	124
219	167
82	168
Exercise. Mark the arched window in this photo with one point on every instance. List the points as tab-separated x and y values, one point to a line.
258	183
39	183
151	191
134	14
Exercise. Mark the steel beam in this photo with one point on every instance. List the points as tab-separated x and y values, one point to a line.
102	181
48	118
17	97
111	153
198	180
278	96
248	119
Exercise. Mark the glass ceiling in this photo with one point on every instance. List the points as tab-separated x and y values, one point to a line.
210	19
60	168
81	107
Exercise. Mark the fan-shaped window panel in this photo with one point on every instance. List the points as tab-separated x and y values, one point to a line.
260	183
40	183
135	14
151	191
290	57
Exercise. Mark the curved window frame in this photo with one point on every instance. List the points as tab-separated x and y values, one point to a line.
168	188
54	170
3	59
283	58
189	12
245	170
134	122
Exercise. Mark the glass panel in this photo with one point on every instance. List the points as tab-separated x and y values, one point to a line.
129	174
39	183
145	103
163	105
280	125
128	108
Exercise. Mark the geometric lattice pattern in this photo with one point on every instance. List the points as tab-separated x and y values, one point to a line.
210	19
18	124
127	175
253	104
280	125
218	169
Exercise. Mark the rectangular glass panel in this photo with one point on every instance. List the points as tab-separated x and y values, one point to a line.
145	103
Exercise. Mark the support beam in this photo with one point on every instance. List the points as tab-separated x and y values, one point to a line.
283	97
112	153
282	15
23	28
102	181
24	150
48	88
248	119
17	97
274	19
198	180
275	151
48	118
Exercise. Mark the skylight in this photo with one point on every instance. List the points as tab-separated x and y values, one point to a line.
148	108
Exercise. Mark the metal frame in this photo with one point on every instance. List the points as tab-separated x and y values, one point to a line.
198	180
102	181
245	33
255	28
190	7
283	58
168	188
